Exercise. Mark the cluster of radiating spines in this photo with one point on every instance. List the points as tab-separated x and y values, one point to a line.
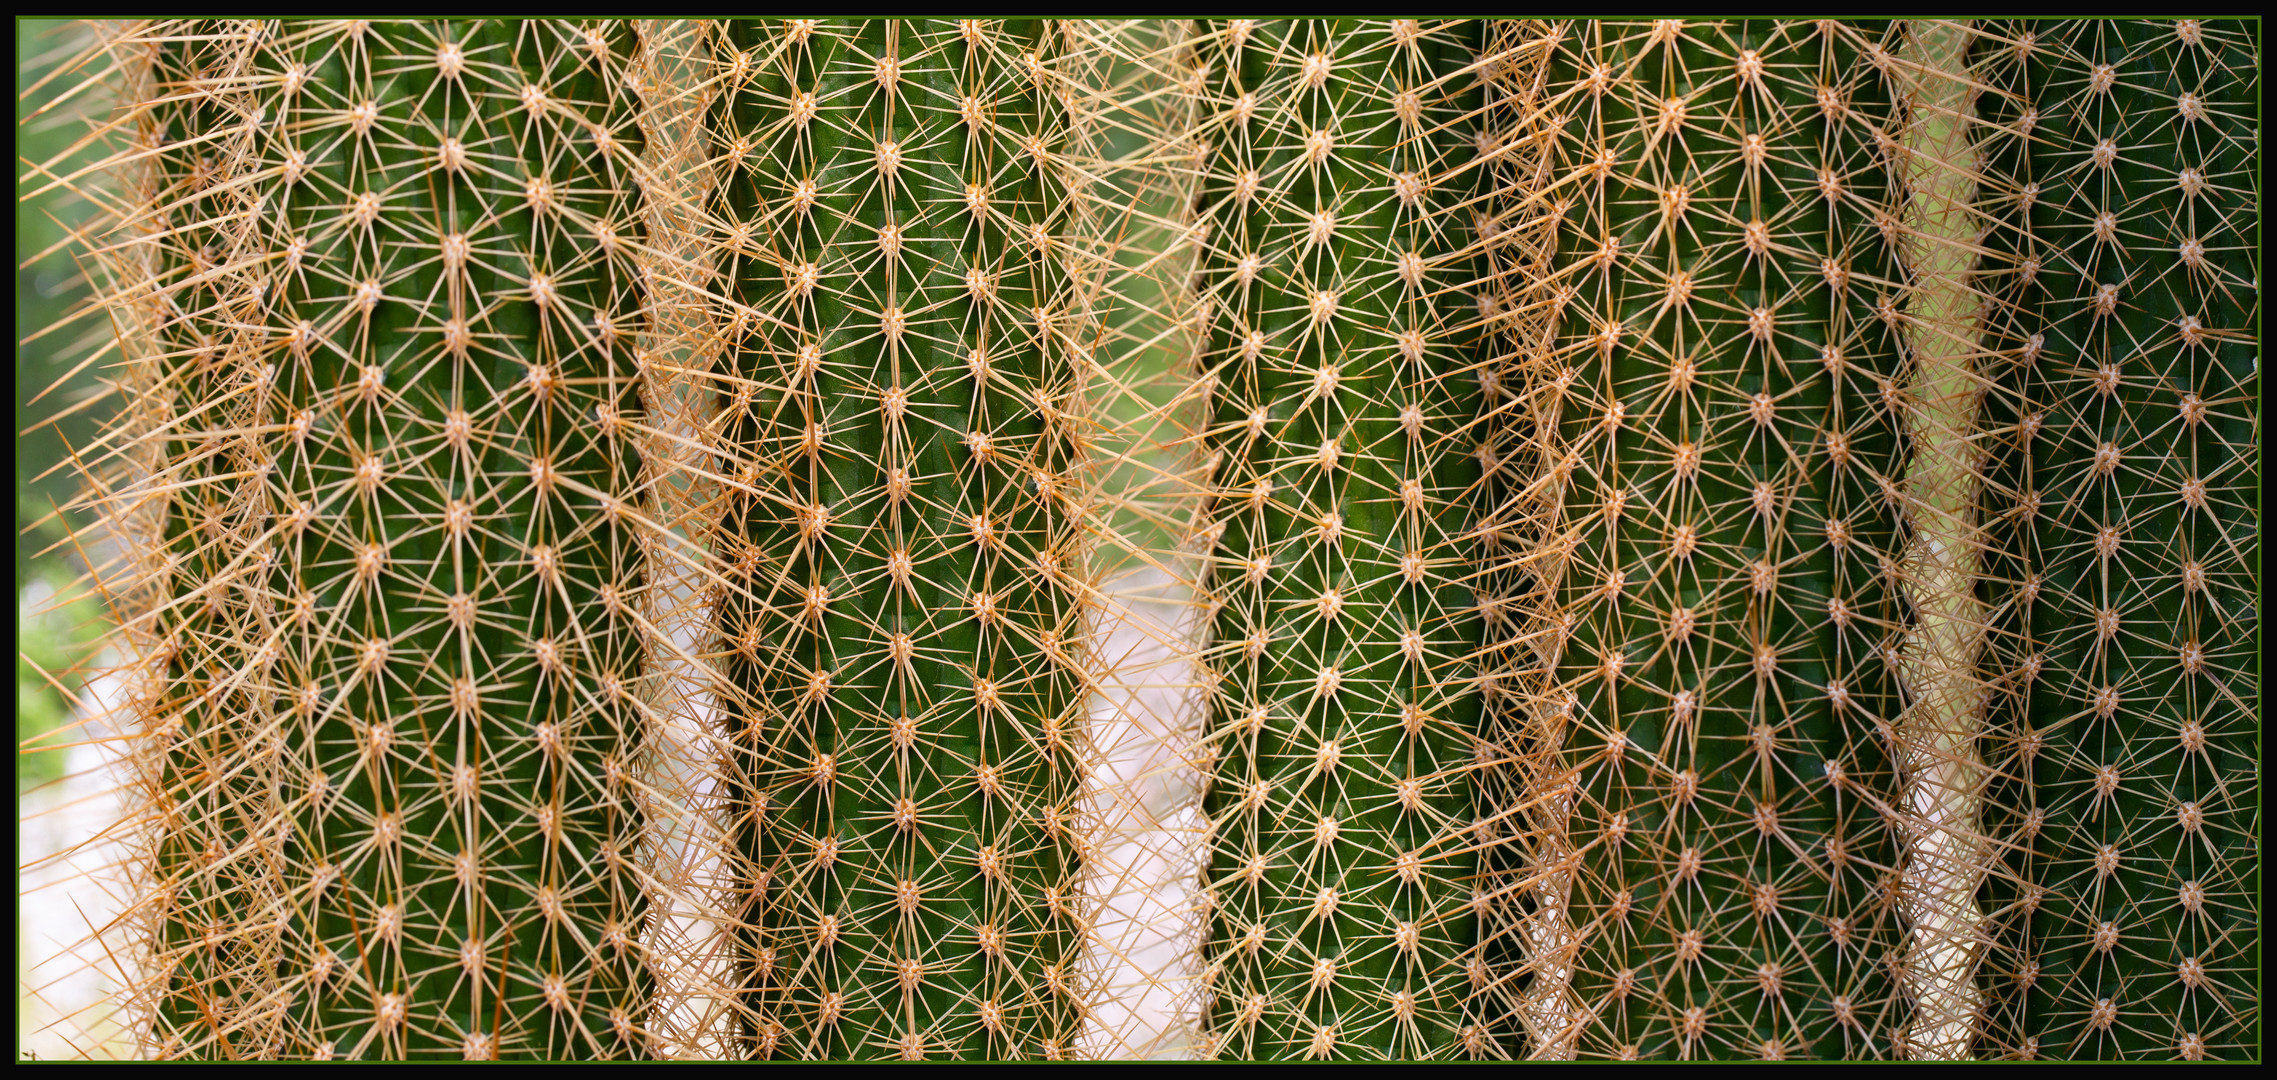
1344	708
1524	937
395	799
2121	177
1729	353
900	617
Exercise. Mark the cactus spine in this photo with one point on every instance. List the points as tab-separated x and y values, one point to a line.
1946	855
1345	720
1732	368
395	802
2121	177
1827	630
902	608
1526	938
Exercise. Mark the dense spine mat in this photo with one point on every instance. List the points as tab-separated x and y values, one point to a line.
1523	798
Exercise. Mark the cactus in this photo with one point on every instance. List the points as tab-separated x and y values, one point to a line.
902	601
1344	718
2123	425
1731	365
1723	539
392	292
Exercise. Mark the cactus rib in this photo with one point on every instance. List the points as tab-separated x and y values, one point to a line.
2122	563
398	700
904	611
1344	718
1732	367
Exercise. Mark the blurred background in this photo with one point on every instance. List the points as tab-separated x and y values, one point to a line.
66	793
51	380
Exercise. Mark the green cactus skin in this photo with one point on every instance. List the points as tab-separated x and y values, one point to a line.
1345	719
2122	562
398	823
1726	486
901	615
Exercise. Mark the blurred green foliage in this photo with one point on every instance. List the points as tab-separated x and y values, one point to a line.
51	342
57	639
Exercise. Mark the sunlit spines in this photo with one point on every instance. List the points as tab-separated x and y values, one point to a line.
690	1013
216	928
119	518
